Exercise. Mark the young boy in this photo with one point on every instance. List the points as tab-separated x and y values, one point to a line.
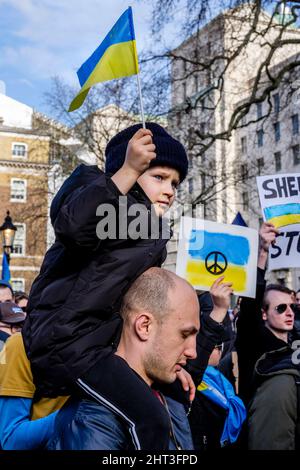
73	323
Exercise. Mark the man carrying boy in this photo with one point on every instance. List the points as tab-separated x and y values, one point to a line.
73	322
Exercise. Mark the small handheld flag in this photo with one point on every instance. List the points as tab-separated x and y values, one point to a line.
116	57
5	269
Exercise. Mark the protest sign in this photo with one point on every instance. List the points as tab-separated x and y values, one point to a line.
280	201
208	250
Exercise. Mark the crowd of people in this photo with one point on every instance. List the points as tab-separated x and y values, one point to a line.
113	352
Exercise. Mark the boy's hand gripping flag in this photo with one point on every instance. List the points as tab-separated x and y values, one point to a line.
116	57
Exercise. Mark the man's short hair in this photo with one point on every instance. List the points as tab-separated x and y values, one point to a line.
149	292
20	295
276	287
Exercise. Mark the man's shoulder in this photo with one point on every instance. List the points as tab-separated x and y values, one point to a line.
99	428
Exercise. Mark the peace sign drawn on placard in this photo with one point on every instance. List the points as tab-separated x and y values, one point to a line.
216	263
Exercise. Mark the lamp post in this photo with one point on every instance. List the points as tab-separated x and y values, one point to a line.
8	230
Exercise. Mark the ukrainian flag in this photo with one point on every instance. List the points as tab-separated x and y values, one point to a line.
283	214
115	57
5	269
214	254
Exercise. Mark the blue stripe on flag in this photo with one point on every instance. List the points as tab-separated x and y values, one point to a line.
282	209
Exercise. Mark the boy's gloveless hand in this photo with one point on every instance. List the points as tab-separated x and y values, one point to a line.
140	152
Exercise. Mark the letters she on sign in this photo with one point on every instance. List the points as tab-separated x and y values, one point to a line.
281	186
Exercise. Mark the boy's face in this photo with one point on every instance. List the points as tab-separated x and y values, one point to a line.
160	183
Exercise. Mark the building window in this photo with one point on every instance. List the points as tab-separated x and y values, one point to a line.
203	182
244	145
244	172
296	154
19	150
260	138
259	110
191	186
208	77
295	124
276	100
260	165
20	239
245	201
184	90
277	159
18	190
202	127
277	131
191	139
18	284
196	82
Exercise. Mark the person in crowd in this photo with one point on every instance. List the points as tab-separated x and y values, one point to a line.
266	370
21	299
27	421
274	409
298	297
73	324
6	291
217	414
253	337
160	314
11	320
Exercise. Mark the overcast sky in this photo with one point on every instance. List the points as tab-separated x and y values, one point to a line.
43	38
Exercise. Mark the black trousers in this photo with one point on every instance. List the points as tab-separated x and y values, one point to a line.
115	385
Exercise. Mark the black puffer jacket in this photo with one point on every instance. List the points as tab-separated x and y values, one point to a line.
74	302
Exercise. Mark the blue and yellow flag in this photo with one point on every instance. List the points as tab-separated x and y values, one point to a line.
283	214
5	269
116	57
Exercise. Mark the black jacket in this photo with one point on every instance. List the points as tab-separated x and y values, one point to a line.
274	411
74	302
253	338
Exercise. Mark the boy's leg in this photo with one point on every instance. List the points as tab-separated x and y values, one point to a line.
114	384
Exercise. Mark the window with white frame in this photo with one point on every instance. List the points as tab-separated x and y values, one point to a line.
259	110
295	124
244	145
276	101
18	190
20	239
19	150
18	284
260	138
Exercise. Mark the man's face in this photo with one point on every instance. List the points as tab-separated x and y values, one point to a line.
160	183
298	298
279	322
5	294
174	339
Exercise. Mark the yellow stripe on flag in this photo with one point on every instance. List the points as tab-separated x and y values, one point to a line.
282	220
197	275
119	60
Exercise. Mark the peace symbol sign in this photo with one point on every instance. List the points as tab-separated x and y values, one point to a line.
216	263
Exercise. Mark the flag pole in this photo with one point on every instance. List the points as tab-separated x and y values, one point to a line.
141	100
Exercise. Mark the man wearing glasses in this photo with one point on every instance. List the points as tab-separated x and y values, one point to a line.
268	376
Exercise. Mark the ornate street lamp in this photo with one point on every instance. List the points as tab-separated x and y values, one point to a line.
8	230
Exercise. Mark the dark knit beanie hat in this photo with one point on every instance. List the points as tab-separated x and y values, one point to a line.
169	151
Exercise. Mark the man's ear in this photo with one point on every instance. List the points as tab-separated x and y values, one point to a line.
264	314
143	325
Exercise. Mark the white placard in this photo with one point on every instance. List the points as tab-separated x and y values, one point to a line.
208	250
